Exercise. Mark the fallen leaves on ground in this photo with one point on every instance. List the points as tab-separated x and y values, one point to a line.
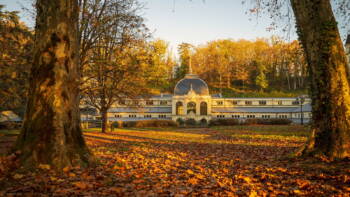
170	163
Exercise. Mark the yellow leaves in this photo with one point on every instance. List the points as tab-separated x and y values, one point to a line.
253	193
18	176
44	166
189	172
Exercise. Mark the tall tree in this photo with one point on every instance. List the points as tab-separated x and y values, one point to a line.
329	74
16	42
330	77
114	68
51	132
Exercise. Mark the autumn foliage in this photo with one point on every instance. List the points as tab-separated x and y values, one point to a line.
227	161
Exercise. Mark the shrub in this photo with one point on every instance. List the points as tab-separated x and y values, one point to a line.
10	125
191	122
180	121
116	124
204	122
144	123
156	123
280	122
267	121
224	122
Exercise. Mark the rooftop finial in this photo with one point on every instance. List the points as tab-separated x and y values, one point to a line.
190	66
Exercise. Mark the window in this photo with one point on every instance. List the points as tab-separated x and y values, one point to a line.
162	116
266	116
204	109
163	102
117	116
219	102
248	102
262	102
283	116
132	116
236	116
280	102
234	102
250	116
179	108
220	116
149	102
295	103
148	116
191	107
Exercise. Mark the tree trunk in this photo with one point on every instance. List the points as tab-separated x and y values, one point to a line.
329	78
104	120
51	132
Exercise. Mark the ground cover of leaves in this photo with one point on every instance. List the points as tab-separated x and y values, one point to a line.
220	161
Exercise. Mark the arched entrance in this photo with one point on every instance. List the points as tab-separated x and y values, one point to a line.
203	109
179	108
191	107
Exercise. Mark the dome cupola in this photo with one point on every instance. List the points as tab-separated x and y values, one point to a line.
191	83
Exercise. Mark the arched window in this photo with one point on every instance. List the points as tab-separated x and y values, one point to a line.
191	107
179	108
204	109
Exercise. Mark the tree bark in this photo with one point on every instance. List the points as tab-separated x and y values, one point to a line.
51	132
104	120
329	78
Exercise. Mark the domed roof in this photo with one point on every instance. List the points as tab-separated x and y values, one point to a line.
193	82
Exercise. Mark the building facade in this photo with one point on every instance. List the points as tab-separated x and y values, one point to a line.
192	100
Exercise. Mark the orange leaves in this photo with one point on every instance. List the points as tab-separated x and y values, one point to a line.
81	185
186	168
189	172
193	181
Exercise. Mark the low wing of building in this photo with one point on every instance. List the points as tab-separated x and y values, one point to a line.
192	100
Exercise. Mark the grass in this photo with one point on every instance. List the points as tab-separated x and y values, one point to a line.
9	132
261	135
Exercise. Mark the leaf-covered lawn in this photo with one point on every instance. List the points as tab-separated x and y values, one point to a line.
220	161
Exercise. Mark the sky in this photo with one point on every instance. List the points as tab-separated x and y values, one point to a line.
191	21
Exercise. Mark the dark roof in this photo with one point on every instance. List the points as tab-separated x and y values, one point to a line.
306	108
135	119
191	81
140	110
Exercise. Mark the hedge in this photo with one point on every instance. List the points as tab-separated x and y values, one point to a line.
224	122
254	121
144	123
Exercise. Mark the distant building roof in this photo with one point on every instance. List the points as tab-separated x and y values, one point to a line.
9	116
140	110
162	96
306	108
191	82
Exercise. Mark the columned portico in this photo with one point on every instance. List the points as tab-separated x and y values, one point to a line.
193	93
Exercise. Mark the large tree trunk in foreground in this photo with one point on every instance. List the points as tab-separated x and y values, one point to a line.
51	133
329	78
